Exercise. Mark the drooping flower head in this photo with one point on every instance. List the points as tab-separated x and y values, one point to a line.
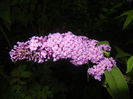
78	49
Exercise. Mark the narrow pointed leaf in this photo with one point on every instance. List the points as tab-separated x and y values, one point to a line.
128	19
117	85
121	53
103	42
129	64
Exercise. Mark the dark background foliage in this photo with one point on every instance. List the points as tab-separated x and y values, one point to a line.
21	19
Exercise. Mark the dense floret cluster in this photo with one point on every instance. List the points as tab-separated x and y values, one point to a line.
78	49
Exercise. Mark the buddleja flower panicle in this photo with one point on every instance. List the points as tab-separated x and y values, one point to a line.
78	49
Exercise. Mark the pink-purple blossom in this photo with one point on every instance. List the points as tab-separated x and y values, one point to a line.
104	47
78	49
97	70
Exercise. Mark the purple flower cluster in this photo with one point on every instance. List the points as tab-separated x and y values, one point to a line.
78	49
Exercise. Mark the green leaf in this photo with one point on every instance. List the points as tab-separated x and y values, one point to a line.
106	53
103	42
16	88
121	53
14	81
107	43
118	5
5	10
25	74
28	97
128	19
117	85
129	64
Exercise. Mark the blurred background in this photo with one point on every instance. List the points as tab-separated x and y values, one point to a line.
102	20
